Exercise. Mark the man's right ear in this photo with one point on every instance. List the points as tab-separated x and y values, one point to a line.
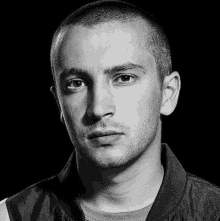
54	92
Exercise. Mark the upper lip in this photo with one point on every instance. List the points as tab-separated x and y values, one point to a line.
102	133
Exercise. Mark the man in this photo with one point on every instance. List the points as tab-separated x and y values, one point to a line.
113	78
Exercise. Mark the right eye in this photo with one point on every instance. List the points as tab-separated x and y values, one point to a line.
74	84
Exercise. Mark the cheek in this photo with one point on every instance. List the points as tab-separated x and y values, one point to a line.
138	108
72	110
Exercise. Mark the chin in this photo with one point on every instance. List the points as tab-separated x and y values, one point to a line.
110	158
109	153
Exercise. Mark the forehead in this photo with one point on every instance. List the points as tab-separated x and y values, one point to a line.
105	45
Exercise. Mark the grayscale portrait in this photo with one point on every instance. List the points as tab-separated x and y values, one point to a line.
116	82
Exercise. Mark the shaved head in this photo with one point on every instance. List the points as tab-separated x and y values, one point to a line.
96	13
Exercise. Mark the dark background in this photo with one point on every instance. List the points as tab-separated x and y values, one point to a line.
35	144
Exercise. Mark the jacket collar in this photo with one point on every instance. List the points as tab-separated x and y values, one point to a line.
170	193
172	187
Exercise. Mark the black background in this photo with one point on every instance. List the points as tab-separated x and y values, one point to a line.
35	144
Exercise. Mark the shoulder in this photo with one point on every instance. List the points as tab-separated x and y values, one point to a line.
25	201
47	198
201	198
203	188
3	211
33	193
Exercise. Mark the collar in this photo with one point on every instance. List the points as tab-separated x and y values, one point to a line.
170	193
172	187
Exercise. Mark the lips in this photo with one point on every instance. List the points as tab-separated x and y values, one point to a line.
104	138
96	134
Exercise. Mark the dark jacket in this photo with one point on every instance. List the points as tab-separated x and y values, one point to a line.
182	196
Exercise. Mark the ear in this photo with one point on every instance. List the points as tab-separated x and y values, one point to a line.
171	89
53	91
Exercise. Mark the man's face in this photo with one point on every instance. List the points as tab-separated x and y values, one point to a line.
108	81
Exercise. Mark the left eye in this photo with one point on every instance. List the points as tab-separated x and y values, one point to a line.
125	78
74	84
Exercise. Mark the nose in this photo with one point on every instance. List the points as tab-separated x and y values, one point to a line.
100	102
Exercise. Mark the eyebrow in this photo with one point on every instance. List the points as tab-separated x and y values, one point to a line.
118	68
124	67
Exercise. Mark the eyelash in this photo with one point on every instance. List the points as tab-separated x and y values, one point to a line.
72	80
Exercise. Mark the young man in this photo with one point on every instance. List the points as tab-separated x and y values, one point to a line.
112	70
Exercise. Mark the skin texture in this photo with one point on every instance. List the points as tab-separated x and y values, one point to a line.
127	174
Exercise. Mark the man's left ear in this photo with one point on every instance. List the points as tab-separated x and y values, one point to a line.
171	89
53	91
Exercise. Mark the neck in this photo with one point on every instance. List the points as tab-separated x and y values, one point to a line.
130	189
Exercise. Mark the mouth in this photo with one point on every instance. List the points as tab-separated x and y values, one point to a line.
107	137
98	134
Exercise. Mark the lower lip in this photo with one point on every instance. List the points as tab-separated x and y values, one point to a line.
106	139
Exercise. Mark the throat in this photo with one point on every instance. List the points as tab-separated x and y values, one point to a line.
124	197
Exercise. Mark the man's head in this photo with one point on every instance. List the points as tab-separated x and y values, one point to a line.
100	12
113	59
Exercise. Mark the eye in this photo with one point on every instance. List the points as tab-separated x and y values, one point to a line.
74	84
125	78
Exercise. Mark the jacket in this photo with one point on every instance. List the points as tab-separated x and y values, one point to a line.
182	196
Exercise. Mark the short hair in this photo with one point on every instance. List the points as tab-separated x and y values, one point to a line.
100	12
